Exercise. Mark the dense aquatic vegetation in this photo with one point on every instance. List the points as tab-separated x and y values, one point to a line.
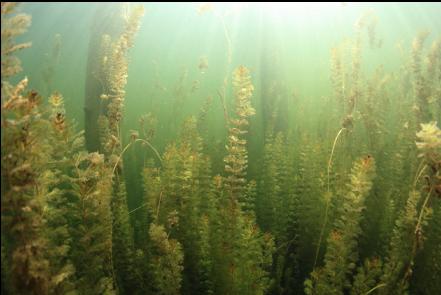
354	210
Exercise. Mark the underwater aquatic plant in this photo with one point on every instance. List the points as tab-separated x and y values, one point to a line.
374	107
114	71
277	193
338	76
408	235
429	139
396	273
166	261
22	168
91	218
427	268
242	254
148	124
180	188
61	207
367	277
226	234
13	25
341	251
202	116
277	211
328	196
236	160
429	143
23	188
419	81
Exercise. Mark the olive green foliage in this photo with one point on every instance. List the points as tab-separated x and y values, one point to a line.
367	277
166	261
22	168
114	74
318	215
341	252
23	190
60	207
243	254
177	198
224	252
409	233
91	227
278	205
399	258
427	264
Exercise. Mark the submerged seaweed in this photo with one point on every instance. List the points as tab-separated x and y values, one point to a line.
352	207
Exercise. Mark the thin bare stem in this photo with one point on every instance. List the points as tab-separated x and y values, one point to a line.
222	94
128	145
227	37
418	175
322	231
417	232
137	208
420	217
332	152
328	199
159	205
375	288
224	105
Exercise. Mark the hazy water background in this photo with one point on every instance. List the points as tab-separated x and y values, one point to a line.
287	42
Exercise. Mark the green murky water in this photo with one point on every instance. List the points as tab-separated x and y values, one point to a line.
221	148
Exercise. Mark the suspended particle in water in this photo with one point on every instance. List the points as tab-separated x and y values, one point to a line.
203	64
104	96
